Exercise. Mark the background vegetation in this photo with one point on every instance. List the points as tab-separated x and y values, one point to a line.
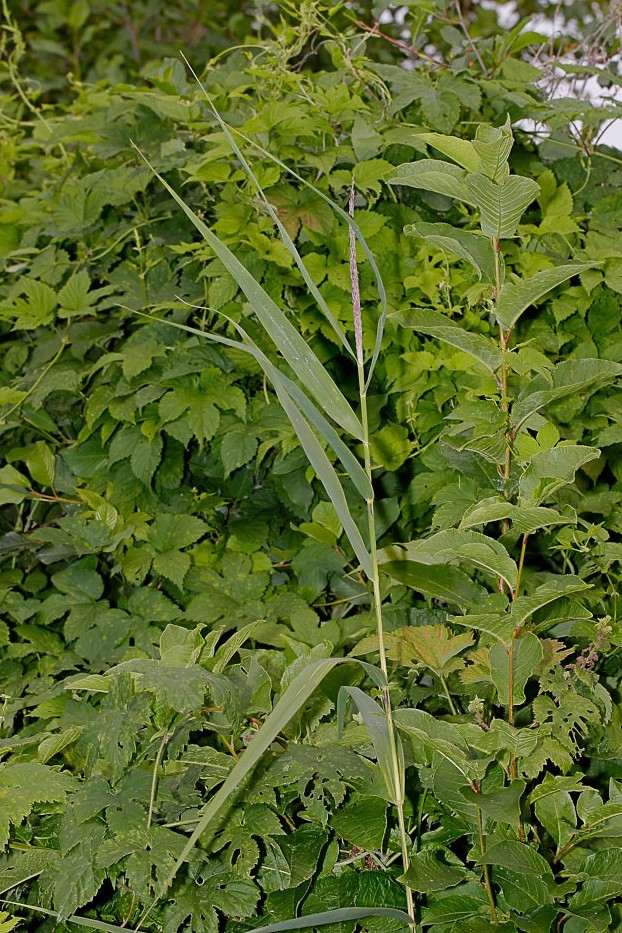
170	562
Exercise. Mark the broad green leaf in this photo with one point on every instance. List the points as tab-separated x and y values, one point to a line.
516	297
387	747
518	857
362	822
527	894
557	814
442	328
527	654
604	821
461	151
455	546
472	247
14	486
433	175
284	335
501	205
438	581
417	721
454	908
498	625
604	878
427	872
502	806
492	145
523	607
54	744
571	377
549	470
525	520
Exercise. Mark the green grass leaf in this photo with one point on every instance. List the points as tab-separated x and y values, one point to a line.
286	338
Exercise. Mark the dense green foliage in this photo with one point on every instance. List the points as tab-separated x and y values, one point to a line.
171	564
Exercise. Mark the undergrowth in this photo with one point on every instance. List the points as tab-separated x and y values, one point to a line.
311	487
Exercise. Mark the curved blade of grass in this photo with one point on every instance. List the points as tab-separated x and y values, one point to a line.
349	462
289	243
375	719
313	449
291	701
345	216
286	338
79	921
340	915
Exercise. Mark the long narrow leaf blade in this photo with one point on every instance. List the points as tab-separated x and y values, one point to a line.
375	720
286	338
289	243
349	462
291	701
340	915
345	216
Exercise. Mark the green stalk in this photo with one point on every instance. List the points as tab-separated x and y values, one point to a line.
398	778
487	884
396	768
507	468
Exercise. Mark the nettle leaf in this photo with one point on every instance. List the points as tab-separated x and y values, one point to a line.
571	377
551	469
501	204
516	297
436	325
